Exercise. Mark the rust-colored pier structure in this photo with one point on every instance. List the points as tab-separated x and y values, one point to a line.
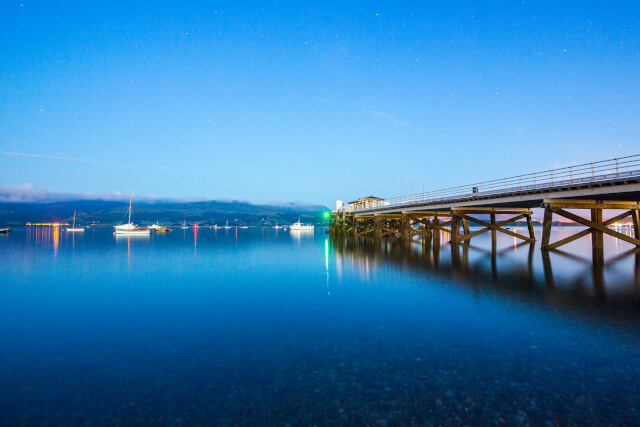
593	188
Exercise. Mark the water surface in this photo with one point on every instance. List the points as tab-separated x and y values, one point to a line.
264	326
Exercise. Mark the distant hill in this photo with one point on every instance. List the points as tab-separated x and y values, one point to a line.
206	212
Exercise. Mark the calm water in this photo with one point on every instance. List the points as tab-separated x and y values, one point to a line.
270	327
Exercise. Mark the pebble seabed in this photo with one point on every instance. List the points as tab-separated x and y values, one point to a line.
332	382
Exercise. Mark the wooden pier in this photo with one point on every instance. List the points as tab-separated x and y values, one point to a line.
593	188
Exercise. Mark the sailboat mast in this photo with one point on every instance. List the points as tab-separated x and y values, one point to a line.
130	208
74	219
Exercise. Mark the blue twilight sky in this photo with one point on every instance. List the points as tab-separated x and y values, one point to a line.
310	101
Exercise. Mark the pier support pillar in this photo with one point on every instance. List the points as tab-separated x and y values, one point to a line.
597	237
377	227
465	226
427	234
546	227
404	226
532	234
436	232
455	228
493	232
635	217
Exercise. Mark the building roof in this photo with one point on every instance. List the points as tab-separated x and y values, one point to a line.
366	199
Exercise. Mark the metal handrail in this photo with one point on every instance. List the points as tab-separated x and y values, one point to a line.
605	170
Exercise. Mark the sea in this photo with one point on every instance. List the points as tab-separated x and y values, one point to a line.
264	326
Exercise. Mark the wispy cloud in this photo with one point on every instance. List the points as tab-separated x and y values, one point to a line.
389	118
29	193
72	159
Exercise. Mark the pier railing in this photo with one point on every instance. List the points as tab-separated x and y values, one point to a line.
606	170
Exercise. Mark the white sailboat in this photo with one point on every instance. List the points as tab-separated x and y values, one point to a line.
227	224
73	227
129	228
184	225
300	226
128	225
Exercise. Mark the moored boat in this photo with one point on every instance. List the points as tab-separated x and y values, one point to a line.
73	226
130	229
128	226
300	226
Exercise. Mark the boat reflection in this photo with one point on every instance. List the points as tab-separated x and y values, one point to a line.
299	235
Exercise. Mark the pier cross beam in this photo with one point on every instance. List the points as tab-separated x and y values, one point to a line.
596	226
429	222
463	216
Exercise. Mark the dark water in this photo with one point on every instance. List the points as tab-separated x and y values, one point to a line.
232	327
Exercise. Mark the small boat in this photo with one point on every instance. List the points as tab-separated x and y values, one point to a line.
244	226
5	230
155	226
184	225
227	225
128	226
277	226
300	226
161	229
73	227
130	229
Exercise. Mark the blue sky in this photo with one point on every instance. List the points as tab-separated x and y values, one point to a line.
298	101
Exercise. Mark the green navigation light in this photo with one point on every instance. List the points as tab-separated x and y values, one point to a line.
326	214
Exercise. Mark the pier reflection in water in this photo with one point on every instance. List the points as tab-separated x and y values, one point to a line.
583	275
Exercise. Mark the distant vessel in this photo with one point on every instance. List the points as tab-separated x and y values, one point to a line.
5	230
73	226
227	225
161	229
184	225
129	228
155	226
277	226
244	226
300	226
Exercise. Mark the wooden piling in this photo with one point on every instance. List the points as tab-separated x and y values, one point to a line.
546	227
597	237
455	228
532	234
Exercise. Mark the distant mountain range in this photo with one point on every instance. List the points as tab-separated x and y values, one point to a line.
101	212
